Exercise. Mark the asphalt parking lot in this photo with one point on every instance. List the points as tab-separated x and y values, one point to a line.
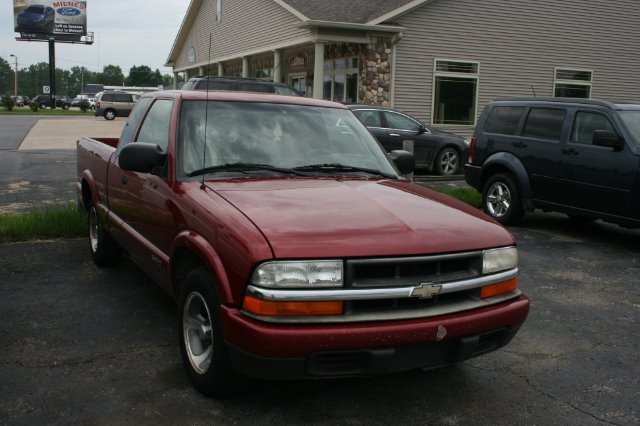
84	345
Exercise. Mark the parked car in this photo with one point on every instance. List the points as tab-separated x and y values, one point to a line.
114	104
239	84
36	18
78	99
18	100
434	150
577	156
44	101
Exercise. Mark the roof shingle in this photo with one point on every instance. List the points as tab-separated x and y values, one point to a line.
353	11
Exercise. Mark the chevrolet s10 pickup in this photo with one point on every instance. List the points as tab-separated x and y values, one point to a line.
292	243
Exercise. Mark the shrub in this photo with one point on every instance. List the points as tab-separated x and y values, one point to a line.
84	105
33	105
8	103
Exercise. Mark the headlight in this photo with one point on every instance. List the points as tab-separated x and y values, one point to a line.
501	259
299	274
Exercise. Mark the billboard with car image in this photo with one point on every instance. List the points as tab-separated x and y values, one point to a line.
38	18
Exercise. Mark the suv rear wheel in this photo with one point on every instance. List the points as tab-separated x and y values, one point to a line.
501	201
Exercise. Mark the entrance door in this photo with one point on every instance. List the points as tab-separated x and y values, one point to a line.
299	82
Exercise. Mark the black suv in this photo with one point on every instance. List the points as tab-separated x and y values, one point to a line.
44	101
577	156
239	84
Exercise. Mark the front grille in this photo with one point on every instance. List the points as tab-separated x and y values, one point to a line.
412	271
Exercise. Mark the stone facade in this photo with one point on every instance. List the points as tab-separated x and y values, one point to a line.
375	73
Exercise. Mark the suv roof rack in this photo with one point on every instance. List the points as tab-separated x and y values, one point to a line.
556	100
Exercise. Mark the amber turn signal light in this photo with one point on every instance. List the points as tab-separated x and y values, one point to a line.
500	288
271	308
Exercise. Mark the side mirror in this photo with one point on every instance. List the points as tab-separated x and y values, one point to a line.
141	157
403	160
607	138
422	129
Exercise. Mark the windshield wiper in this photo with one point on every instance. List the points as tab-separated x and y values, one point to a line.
243	167
337	167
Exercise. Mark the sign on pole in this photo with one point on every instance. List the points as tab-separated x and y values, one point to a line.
45	18
46	90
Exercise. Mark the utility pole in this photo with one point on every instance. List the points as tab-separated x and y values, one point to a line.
15	77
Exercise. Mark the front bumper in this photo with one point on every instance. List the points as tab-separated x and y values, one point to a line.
294	351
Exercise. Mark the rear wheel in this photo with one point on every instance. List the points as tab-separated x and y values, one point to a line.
104	250
202	345
501	201
447	162
43	105
110	114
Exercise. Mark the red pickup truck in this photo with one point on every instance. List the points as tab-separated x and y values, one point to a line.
293	244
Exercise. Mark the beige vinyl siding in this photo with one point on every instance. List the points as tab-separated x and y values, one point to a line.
245	25
518	44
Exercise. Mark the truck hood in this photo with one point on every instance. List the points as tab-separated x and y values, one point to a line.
319	218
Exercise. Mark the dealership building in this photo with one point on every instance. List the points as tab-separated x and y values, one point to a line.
439	60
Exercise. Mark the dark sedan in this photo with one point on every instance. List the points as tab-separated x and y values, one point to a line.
437	151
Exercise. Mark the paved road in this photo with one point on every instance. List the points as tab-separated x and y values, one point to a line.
38	158
83	345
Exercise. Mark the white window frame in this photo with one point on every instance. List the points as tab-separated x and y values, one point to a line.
471	76
584	83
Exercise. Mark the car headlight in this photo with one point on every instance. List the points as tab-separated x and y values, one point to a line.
500	259
299	274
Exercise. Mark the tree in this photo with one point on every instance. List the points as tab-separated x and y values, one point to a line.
6	78
140	76
112	76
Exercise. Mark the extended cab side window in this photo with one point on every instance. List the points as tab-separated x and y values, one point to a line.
132	123
155	127
545	123
585	124
504	120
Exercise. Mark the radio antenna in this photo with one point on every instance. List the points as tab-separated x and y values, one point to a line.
206	119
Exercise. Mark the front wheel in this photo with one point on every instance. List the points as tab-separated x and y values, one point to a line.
447	162
501	201
202	345
104	250
43	105
66	106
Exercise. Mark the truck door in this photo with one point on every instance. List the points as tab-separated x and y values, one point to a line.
596	178
142	199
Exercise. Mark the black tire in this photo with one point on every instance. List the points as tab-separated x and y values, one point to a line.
43	105
202	345
66	106
104	250
501	200
447	161
110	114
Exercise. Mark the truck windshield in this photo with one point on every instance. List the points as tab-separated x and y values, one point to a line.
274	135
631	120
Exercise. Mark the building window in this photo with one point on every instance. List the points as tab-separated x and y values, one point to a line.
218	9
572	83
455	92
341	80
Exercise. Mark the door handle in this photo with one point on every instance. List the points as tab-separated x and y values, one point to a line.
124	180
394	134
519	144
569	151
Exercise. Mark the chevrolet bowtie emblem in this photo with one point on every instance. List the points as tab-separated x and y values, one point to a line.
426	290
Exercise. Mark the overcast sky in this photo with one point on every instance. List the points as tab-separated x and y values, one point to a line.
127	33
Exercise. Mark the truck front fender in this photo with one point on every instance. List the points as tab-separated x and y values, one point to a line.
189	250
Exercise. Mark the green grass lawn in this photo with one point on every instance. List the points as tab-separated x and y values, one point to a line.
46	112
49	222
